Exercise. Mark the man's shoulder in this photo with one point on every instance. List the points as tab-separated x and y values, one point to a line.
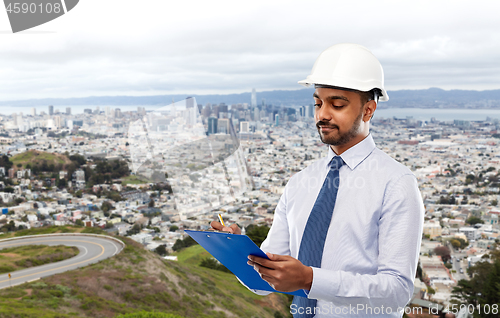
312	169
381	161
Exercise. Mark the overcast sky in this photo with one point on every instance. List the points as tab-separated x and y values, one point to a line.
151	47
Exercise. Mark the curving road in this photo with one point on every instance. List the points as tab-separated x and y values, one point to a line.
93	248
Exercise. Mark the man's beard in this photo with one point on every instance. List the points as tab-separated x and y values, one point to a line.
342	138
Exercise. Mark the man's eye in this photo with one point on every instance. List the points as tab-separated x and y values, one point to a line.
317	105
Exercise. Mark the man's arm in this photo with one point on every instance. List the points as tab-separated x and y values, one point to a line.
400	231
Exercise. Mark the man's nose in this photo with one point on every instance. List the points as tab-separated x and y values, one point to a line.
323	113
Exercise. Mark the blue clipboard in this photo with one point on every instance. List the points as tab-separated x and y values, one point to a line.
232	251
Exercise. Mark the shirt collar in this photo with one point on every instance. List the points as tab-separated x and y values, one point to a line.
356	154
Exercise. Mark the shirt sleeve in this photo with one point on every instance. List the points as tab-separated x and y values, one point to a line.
279	232
400	233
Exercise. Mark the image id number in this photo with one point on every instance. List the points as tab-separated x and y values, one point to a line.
34	8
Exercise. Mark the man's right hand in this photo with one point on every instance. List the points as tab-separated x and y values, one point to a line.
233	229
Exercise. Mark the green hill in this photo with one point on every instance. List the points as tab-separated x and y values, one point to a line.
34	157
137	280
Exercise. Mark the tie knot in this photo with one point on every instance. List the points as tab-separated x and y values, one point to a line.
336	163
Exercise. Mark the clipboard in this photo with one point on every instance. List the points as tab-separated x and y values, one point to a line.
232	251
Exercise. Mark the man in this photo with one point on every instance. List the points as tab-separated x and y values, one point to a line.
349	235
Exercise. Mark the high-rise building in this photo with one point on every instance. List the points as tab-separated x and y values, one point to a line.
215	111
244	127
256	114
223	126
189	102
223	111
51	110
254	98
33	111
206	111
57	121
212	125
68	110
277	120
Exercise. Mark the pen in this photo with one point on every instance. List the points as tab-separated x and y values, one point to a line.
221	220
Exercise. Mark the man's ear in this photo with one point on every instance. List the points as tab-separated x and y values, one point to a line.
369	110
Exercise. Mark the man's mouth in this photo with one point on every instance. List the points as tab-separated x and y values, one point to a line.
326	128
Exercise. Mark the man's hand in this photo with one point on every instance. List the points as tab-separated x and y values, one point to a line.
233	229
284	273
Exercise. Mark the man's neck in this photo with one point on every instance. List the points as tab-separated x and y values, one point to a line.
338	150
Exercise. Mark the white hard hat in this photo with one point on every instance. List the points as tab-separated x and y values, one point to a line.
349	66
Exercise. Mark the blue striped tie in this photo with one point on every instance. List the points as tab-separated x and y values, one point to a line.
313	239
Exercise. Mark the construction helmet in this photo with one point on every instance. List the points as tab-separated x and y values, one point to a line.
350	66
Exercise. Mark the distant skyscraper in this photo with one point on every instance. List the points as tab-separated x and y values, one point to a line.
57	121
223	125
68	110
254	98
256	114
51	110
277	120
189	102
310	111
244	127
212	125
33	111
215	110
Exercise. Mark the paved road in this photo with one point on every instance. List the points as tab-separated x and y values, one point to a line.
92	250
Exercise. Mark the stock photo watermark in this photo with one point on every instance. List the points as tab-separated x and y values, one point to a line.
24	15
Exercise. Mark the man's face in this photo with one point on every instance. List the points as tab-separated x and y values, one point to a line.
338	115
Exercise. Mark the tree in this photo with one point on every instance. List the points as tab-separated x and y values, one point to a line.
444	252
106	206
474	220
79	222
61	183
257	233
455	243
430	291
483	288
174	228
161	250
180	244
134	230
151	203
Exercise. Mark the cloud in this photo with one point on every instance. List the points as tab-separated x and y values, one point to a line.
153	46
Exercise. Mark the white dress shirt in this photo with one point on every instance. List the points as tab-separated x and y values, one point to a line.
372	246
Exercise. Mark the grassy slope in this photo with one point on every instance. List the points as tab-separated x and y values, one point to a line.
20	257
134	179
34	156
136	280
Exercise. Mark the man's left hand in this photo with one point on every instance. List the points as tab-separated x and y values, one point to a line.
284	273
